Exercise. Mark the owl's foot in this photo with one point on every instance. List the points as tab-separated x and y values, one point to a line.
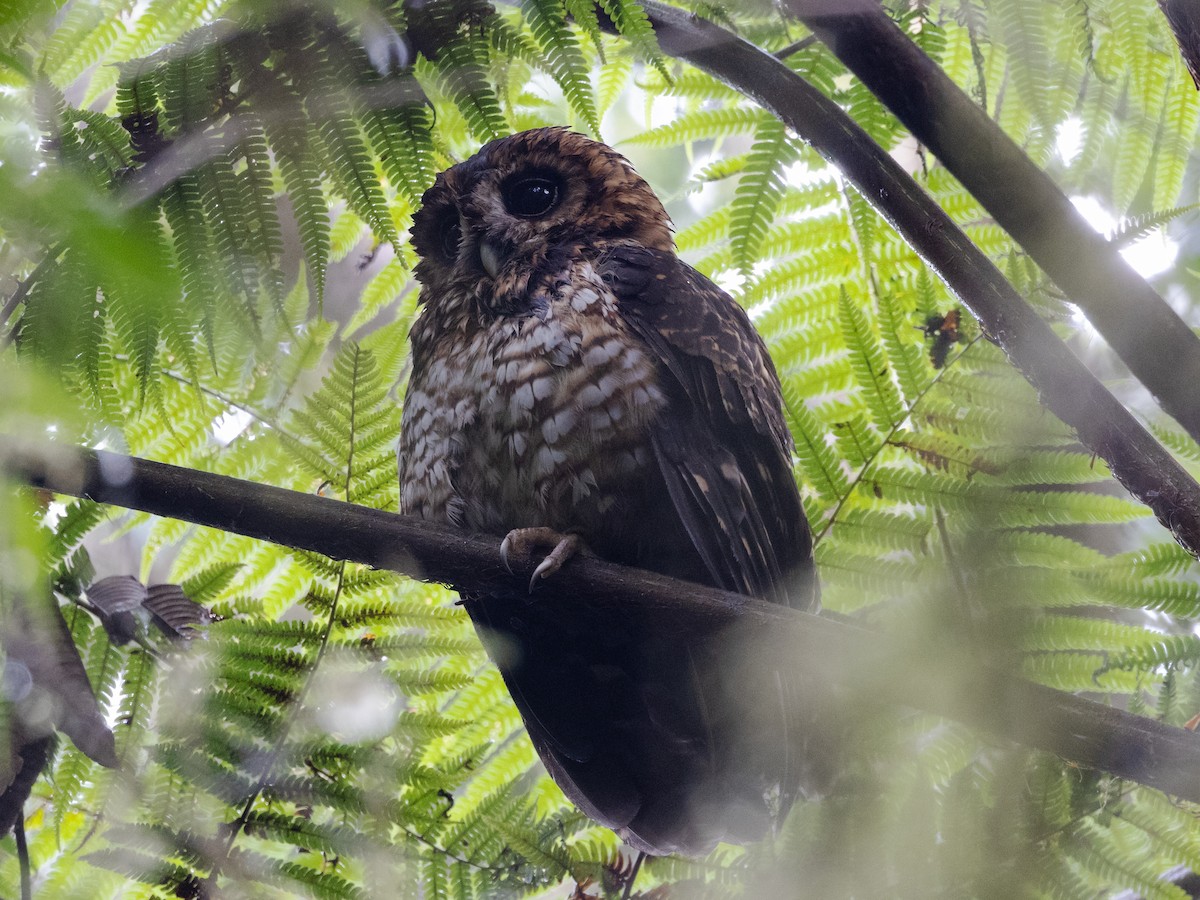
525	540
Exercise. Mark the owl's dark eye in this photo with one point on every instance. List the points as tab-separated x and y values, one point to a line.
451	237
530	196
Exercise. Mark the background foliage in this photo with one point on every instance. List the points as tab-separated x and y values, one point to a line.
203	259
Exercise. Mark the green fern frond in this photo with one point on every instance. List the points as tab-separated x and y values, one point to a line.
562	56
1014	509
1174	650
1136	149
869	362
583	14
1155	559
817	459
903	347
461	70
344	146
1134	228
320	884
884	529
1096	850
402	138
690	84
82	39
138	323
759	191
634	26
1181	114
703	124
302	177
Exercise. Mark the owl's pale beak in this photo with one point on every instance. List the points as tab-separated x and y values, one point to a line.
489	256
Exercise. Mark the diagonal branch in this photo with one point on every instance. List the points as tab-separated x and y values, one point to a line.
1184	18
1146	333
1065	385
947	682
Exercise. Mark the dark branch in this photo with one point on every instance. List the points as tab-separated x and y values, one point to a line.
23	860
1066	386
1184	18
947	682
1150	337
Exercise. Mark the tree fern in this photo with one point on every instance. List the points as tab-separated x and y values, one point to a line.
705	124
1181	115
401	136
165	253
563	57
460	69
868	362
633	24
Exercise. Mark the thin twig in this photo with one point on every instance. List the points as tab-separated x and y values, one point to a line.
23	857
637	867
795	47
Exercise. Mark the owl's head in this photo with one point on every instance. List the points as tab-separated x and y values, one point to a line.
526	204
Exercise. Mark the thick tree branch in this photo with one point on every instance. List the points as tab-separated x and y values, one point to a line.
1150	337
943	680
1066	386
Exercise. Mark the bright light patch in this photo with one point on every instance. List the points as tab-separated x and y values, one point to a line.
230	424
1068	142
55	510
799	174
1149	256
355	706
1152	255
1096	214
663	111
730	280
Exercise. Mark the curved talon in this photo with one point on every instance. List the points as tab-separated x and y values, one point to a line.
545	568
563	547
567	547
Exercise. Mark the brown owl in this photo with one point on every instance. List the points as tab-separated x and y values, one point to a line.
575	385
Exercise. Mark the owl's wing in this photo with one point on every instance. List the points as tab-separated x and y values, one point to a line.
722	445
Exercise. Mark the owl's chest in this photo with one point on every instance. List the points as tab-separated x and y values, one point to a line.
530	420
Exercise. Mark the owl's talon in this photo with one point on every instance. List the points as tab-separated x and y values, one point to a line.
525	540
568	546
545	569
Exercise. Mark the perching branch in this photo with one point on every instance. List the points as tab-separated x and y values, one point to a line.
951	684
1065	385
1149	337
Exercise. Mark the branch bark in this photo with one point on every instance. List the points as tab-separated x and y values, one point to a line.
1184	18
1149	337
1065	385
947	682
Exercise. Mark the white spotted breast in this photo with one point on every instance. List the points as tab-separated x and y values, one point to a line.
527	420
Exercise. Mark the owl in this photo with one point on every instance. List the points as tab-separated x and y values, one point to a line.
576	387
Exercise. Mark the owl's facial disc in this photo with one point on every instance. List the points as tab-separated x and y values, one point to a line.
525	199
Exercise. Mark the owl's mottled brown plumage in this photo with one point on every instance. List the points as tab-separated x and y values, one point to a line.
570	372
